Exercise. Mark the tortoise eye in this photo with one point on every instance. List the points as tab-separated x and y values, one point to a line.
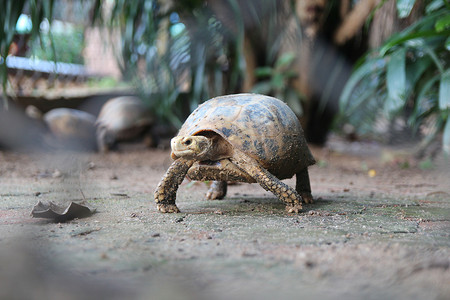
188	142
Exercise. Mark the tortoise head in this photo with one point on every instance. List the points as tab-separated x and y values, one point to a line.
191	147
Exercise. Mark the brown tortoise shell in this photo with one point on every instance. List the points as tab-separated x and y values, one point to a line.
124	113
70	123
263	127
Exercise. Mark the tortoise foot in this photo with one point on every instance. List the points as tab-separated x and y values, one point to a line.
294	208
214	195
218	190
167	208
307	198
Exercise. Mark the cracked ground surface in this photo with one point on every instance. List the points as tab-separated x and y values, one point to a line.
380	229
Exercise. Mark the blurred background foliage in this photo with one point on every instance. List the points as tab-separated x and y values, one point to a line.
68	46
408	76
174	64
275	81
9	16
180	53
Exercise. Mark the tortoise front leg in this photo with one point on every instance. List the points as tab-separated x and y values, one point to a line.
284	192
303	187
166	191
269	182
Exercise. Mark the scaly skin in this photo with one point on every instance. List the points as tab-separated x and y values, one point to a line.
269	182
284	192
166	191
187	150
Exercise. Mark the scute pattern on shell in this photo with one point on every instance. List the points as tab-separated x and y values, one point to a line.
263	127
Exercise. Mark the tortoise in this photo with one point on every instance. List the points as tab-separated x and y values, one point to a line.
122	119
243	138
71	128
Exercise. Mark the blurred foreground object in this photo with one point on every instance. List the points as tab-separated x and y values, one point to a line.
72	129
19	132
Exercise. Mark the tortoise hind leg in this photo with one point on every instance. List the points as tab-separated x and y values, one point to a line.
303	186
166	191
269	182
217	190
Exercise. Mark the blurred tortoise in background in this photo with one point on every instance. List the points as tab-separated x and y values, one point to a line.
71	129
123	119
244	137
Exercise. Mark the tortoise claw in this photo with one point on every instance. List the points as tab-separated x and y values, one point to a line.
167	208
213	195
307	197
217	190
294	208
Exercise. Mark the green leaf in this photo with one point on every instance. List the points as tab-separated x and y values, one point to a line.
426	87
398	40
423	28
366	69
442	23
425	103
396	81
285	60
392	105
446	136
262	88
404	7
363	100
444	91
415	70
433	6
434	56
278	81
263	72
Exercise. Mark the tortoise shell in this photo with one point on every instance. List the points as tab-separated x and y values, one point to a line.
72	129
70	123
263	127
125	116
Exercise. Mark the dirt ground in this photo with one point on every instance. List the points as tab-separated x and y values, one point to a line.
380	229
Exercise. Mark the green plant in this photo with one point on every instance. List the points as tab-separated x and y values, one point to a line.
10	12
410	71
275	81
175	55
68	46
